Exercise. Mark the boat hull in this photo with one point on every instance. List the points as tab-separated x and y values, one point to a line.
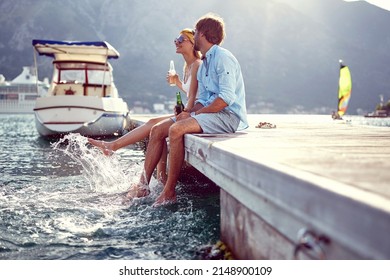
378	114
19	95
16	107
90	116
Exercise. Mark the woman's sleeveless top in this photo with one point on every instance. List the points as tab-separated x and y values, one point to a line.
186	85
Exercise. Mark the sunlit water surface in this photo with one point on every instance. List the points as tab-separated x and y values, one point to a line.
66	201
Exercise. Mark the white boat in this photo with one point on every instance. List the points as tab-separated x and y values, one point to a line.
19	95
82	97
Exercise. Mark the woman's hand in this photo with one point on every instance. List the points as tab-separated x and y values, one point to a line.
175	78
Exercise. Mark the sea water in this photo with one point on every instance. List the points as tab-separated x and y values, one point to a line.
65	200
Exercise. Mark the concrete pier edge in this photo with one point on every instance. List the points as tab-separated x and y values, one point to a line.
275	183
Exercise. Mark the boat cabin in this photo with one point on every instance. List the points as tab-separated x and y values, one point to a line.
82	78
80	68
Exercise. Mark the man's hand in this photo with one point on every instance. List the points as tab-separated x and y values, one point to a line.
182	116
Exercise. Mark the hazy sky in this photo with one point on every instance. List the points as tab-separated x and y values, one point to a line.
385	4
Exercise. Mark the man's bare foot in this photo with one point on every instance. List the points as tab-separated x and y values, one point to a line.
165	198
103	146
137	191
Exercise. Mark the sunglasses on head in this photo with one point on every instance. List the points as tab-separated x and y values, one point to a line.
180	39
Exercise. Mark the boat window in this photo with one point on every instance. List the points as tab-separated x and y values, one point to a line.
72	77
99	77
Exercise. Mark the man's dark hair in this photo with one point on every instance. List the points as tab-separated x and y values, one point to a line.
212	27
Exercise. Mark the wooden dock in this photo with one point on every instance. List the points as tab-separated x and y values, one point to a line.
310	188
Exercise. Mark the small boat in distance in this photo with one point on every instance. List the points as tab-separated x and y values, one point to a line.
345	88
382	110
19	95
82	97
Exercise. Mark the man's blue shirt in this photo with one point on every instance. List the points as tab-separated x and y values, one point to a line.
220	76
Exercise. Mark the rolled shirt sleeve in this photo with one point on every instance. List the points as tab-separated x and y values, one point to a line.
226	70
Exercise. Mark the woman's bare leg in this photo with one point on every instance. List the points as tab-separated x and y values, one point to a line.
132	137
162	165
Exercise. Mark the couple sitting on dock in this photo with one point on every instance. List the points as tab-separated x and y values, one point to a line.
219	107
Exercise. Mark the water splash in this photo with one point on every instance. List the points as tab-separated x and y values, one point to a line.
65	201
103	173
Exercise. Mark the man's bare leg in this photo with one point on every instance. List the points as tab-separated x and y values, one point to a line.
176	157
154	151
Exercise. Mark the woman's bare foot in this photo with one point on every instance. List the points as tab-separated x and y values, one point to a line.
137	191
165	198
105	147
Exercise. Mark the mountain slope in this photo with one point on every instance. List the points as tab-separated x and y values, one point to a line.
288	50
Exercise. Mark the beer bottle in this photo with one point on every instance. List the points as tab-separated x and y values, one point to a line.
179	104
172	73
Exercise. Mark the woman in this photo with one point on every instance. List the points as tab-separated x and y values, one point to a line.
184	46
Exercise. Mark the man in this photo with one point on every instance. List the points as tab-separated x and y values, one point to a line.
220	108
